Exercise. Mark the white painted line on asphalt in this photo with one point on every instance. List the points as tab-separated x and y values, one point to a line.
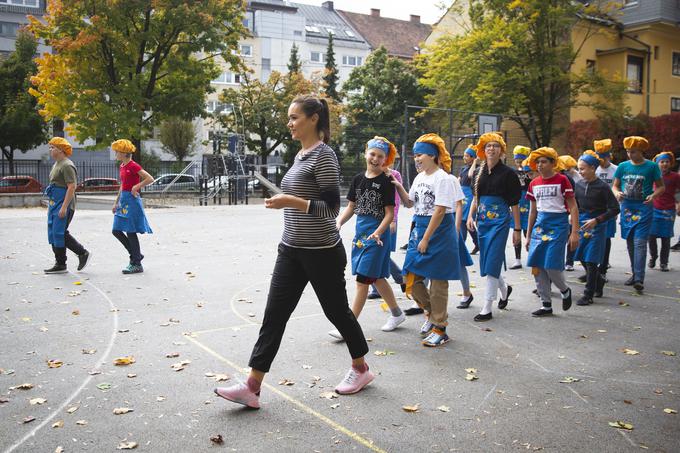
251	324
539	365
233	306
579	395
486	397
87	380
627	437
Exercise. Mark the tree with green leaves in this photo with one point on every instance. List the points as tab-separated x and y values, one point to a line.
121	67
376	93
330	76
516	59
178	137
261	108
294	64
21	126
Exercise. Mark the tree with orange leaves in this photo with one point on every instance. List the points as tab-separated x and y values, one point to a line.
119	67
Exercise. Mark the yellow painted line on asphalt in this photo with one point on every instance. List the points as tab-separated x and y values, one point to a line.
333	424
632	293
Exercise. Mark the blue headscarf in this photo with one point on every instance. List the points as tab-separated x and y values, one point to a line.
590	160
425	148
377	143
470	152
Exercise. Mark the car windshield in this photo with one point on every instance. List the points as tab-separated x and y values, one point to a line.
12	182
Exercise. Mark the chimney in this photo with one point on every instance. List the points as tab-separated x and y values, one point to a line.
415	19
328	5
375	12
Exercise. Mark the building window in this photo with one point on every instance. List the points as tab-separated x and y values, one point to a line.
312	29
350	60
218	107
228	78
266	64
349	33
331	31
676	64
28	3
9	29
634	74
318	57
675	105
628	3
297	33
590	66
246	50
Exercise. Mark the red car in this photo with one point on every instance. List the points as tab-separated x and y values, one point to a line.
19	184
98	185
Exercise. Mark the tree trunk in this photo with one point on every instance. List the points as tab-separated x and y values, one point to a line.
137	156
9	155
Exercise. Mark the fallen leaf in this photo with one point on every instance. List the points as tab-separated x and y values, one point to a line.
26	319
4	400
328	395
569	380
624	304
43	329
413	408
59	449
602	331
335	406
28	419
25	386
627	402
668	353
629	351
444	408
77	283
58	424
35	401
621	425
670	411
471	370
123	330
89	351
179	366
286	382
131	375
172	355
104	386
384	352
72	409
122	410
127	446
175	320
217	439
658	391
160	398
471	377
81	422
123	361
306	367
487	329
54	363
75	312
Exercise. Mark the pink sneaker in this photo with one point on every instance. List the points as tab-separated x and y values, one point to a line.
354	381
241	394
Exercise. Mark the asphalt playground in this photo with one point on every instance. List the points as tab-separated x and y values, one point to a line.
188	323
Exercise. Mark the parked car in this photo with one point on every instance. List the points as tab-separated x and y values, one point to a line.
98	185
184	182
19	184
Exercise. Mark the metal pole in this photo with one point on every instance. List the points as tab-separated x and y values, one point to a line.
404	154
451	130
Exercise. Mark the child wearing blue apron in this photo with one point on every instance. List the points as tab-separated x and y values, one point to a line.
605	172
634	187
596	205
371	199
665	209
61	193
553	208
497	193
129	217
469	156
433	246
520	154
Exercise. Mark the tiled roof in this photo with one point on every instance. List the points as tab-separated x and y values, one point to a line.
399	37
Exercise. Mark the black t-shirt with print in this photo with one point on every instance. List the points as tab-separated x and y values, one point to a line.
371	195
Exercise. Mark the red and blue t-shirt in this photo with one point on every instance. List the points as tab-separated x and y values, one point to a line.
129	175
550	194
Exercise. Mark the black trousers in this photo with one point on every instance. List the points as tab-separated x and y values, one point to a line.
605	260
665	249
131	243
69	241
594	280
294	268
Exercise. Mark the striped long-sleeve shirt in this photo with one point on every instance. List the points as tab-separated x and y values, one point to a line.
315	177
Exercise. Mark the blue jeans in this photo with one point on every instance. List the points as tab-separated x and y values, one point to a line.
464	278
637	252
395	272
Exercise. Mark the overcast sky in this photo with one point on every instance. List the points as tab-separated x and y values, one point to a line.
399	9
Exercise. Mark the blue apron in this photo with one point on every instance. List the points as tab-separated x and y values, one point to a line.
56	226
464	257
393	238
368	258
441	260
611	228
493	220
549	240
591	243
662	226
636	218
467	203
130	217
524	206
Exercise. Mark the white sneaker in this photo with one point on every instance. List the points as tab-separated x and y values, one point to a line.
393	322
425	329
569	268
335	334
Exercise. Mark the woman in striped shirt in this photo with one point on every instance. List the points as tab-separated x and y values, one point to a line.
310	252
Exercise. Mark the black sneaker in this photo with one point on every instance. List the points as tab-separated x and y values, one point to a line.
404	247
652	263
466	303
83	260
413	311
584	300
482	318
535	292
630	281
474	250
515	266
582	278
403	287
676	247
639	287
374	296
133	269
504	302
542	312
57	269
663	267
566	301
